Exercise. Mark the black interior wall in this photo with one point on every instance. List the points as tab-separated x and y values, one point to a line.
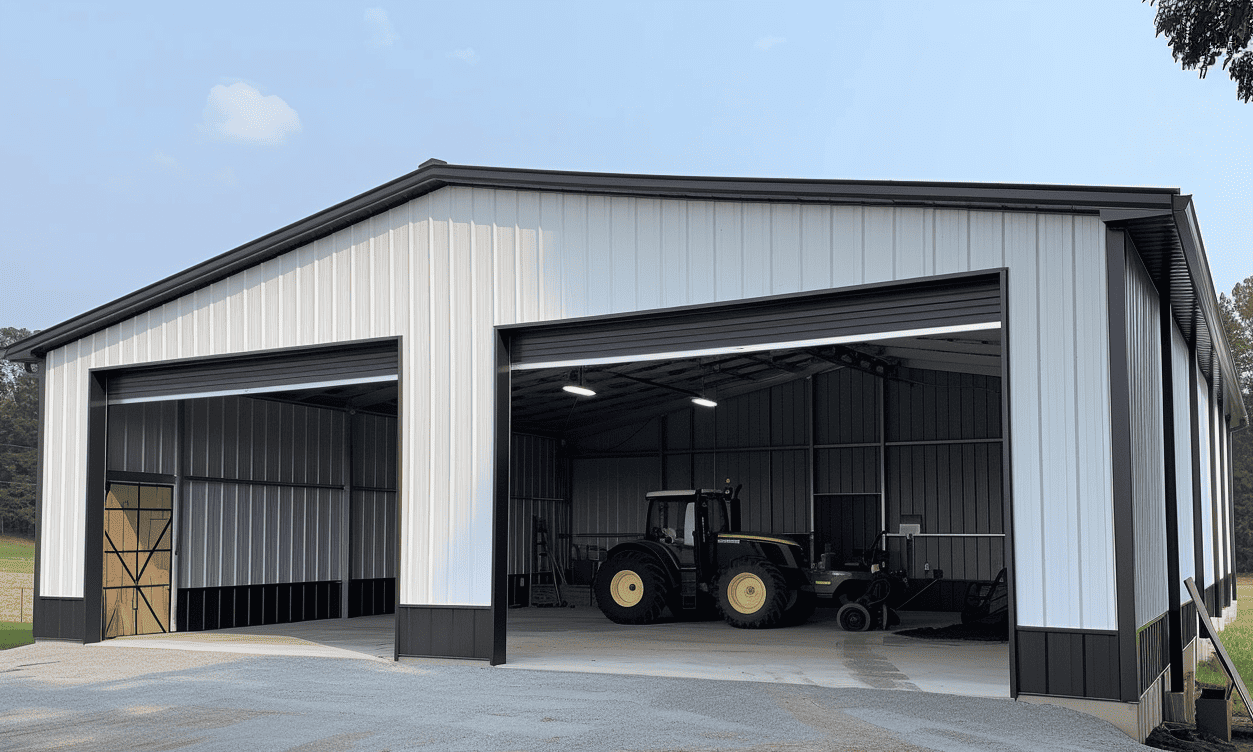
926	443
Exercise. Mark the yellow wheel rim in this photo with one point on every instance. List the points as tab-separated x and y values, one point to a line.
626	588
746	592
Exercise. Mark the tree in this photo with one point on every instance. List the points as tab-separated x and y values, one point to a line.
19	435
1237	315
1202	31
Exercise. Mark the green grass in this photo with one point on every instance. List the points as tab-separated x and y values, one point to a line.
12	547
1238	640
13	634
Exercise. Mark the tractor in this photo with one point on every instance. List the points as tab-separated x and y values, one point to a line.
693	558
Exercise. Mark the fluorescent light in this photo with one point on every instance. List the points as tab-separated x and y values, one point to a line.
582	391
704	402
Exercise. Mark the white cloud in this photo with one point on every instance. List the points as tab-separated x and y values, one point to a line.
766	43
468	55
241	113
382	33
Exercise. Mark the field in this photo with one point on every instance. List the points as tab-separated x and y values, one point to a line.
17	581
1238	640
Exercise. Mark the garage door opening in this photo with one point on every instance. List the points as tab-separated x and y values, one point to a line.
278	508
884	449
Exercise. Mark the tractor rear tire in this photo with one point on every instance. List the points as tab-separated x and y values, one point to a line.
800	608
631	589
752	594
854	617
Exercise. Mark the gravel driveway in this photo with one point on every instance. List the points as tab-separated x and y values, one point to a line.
70	697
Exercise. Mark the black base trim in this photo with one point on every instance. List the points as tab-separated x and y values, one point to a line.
444	632
371	597
254	605
1068	663
59	619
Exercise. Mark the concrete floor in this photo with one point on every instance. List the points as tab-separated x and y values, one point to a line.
582	640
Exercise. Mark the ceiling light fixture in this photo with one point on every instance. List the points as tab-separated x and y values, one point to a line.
704	402
577	387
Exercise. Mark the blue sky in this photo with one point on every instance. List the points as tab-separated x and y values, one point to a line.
139	140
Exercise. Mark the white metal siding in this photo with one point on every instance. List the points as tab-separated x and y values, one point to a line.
1219	490
1148	489
1180	362
442	269
1205	435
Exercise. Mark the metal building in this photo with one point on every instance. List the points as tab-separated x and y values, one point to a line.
356	413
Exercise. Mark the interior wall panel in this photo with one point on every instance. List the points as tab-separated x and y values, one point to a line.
143	438
246	534
449	303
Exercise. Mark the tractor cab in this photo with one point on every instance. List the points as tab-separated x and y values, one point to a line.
686	521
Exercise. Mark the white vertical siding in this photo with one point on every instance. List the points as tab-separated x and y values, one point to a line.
1181	360
1148	489
1219	490
441	270
1205	434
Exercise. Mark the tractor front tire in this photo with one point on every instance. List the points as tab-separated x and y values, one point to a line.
752	594
854	617
631	589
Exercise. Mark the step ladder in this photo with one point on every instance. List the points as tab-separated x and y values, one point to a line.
546	594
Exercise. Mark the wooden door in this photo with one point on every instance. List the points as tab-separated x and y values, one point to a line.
137	556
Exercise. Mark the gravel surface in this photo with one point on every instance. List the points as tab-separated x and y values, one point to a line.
69	697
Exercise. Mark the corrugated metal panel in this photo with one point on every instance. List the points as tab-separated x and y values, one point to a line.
1205	436
548	260
372	549
1185	524
374	451
244	439
142	438
242	534
1148	459
1219	490
538	489
939	405
607	498
846	407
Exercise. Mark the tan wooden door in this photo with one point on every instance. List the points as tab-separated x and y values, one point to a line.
137	551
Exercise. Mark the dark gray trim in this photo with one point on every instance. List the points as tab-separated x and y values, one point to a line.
1069	663
445	632
1166	326
953	300
1120	439
500	499
275	369
37	609
128	476
400	483
1007	486
434	175
60	619
93	529
243	481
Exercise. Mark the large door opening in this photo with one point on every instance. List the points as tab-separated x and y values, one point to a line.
280	499
893	441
